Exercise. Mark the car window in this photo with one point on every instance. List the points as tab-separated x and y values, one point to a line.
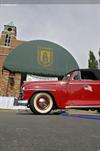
82	74
89	75
85	75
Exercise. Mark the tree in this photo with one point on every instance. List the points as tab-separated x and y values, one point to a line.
99	59
92	62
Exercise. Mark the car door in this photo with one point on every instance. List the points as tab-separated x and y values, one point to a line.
84	92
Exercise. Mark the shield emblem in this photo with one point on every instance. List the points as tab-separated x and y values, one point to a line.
45	56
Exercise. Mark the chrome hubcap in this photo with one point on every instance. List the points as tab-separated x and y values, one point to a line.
43	103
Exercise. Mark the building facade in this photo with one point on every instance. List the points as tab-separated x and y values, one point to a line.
9	82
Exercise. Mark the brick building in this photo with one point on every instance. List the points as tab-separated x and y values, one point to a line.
8	42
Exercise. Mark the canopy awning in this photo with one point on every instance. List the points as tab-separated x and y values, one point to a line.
40	57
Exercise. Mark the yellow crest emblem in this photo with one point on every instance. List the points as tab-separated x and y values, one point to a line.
45	56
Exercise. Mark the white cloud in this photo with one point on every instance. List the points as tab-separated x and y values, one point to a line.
76	27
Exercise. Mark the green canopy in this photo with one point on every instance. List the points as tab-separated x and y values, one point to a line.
40	57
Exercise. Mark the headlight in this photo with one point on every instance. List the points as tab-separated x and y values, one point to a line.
23	88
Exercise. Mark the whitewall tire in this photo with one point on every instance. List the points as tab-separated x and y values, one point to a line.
41	103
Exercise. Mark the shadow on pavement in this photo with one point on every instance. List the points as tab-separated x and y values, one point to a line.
28	112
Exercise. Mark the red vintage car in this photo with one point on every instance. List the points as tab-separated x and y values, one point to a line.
79	89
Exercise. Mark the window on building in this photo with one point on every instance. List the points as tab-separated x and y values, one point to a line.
7	40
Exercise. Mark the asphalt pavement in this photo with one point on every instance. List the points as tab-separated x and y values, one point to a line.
23	131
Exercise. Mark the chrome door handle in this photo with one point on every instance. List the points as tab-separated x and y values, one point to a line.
88	87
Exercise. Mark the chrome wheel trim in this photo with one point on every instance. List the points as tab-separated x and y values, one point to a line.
43	103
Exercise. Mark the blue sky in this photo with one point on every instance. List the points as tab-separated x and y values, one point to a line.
76	27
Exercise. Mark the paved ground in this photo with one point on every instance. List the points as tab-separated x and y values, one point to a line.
23	131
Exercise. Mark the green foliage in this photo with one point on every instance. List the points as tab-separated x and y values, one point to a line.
92	62
99	59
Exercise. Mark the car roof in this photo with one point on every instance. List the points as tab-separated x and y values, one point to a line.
85	69
88	69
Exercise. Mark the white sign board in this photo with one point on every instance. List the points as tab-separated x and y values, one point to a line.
8	103
38	78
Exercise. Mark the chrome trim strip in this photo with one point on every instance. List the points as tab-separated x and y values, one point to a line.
37	89
45	89
69	107
84	83
22	101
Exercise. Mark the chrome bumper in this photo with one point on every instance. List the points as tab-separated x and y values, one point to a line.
18	102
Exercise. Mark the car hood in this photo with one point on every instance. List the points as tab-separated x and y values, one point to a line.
39	83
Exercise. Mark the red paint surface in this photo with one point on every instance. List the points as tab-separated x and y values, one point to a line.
67	92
